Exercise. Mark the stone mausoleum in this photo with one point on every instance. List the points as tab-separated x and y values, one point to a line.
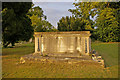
72	44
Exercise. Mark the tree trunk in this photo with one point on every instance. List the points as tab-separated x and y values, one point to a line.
5	45
13	43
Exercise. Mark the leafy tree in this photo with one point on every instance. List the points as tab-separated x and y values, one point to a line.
116	7
38	19
85	10
45	26
80	19
61	25
72	24
108	23
16	25
36	15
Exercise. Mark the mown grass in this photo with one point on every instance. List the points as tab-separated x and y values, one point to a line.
108	51
34	69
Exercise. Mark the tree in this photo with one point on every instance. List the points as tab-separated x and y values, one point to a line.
36	15
108	23
61	25
72	24
85	10
80	19
38	19
16	25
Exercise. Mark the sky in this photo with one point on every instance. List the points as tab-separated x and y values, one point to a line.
55	10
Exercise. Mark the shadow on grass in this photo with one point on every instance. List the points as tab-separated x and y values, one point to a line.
18	49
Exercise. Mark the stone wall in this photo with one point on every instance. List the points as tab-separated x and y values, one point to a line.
77	42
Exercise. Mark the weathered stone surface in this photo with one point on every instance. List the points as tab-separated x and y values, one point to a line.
43	60
62	43
52	59
99	57
22	60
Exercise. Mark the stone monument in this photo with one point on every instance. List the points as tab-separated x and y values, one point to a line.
73	43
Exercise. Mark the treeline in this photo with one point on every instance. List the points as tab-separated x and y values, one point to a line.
107	21
21	19
73	24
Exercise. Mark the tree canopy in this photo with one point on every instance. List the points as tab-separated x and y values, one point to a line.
107	26
107	20
16	25
21	19
72	24
38	20
80	19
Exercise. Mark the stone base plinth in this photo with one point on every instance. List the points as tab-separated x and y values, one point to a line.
51	59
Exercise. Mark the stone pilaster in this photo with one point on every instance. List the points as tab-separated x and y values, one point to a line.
42	45
58	44
88	46
78	44
83	45
36	43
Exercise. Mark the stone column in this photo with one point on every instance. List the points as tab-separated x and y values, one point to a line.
41	45
88	46
72	44
36	43
83	45
38	49
78	44
58	44
62	46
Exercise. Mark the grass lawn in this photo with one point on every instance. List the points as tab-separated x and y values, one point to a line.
12	69
109	52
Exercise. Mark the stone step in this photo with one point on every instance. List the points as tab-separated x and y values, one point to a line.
65	55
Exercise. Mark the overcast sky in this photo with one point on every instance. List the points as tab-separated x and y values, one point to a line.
55	10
